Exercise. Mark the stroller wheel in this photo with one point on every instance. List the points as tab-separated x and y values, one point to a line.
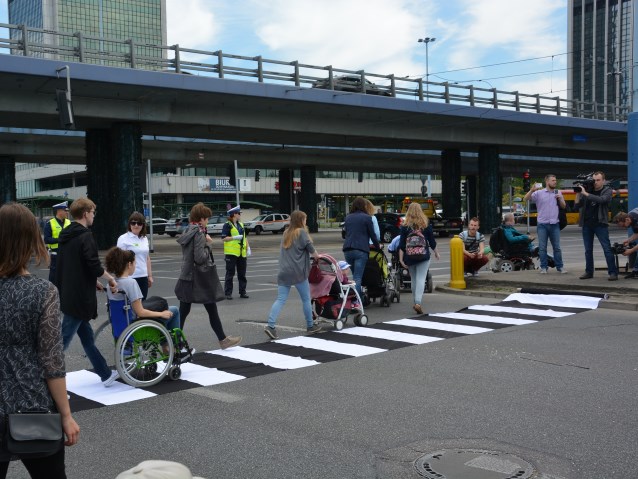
175	373
361	320
429	284
339	324
397	296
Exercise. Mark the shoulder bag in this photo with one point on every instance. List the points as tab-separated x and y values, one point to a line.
32	434
562	216
205	287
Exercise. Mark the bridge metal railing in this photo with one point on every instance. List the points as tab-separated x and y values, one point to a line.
77	47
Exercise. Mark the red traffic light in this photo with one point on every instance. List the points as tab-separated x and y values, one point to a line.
526	175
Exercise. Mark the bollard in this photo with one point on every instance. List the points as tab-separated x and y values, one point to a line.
457	276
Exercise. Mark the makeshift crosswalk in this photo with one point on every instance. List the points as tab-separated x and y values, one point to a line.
215	367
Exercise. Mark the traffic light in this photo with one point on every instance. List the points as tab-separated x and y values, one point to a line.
360	177
464	187
257	174
231	175
526	182
424	190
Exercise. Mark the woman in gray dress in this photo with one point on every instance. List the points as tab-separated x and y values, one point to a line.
31	356
294	267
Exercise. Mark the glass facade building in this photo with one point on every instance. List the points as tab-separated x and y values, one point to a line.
105	26
599	41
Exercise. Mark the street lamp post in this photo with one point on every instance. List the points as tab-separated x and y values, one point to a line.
427	41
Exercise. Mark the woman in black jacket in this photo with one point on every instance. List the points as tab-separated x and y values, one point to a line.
359	232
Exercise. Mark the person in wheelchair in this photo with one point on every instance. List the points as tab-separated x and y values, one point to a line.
121	263
517	242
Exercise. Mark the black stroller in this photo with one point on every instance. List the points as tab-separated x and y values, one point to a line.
401	279
376	281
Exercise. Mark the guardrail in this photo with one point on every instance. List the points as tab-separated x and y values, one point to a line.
77	47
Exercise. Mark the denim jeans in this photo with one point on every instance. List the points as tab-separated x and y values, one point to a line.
174	321
547	231
70	326
303	289
357	260
418	273
602	233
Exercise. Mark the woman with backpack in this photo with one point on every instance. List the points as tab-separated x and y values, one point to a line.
414	250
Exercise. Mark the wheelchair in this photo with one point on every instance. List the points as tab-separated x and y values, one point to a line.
145	351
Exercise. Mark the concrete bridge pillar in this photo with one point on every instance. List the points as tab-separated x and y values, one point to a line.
490	197
308	200
285	190
113	166
7	180
451	182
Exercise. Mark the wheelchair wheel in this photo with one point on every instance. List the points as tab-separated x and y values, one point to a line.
175	373
144	353
505	266
429	283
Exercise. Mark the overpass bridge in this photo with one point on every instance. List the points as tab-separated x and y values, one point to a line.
128	114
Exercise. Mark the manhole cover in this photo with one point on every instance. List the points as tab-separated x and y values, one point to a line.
472	464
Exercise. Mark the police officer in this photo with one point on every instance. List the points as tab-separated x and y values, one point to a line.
52	230
235	252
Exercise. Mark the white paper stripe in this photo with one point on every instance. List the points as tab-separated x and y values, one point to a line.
487	319
456	328
87	384
330	346
530	312
565	300
204	376
279	361
389	335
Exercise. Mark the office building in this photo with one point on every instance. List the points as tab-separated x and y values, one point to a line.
599	46
143	21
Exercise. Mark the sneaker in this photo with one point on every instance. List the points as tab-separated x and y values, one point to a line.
109	382
613	277
543	271
586	276
632	275
474	273
271	332
230	341
229	297
185	352
244	295
561	271
315	328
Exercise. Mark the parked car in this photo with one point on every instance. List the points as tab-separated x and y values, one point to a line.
351	83
159	226
176	226
215	225
275	222
389	226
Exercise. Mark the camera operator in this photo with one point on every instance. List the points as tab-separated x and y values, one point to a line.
593	203
548	201
629	220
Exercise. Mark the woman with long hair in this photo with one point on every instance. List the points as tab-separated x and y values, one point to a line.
32	359
122	264
359	233
414	254
196	243
135	240
294	268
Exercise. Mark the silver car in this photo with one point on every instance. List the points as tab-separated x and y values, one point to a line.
275	222
215	225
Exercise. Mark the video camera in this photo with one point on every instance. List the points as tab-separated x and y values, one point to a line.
585	182
618	248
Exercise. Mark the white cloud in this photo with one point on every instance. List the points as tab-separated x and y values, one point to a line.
191	23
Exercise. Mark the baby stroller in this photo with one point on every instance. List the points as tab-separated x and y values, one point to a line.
376	281
334	297
400	276
512	256
145	351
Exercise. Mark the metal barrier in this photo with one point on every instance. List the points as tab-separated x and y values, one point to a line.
77	47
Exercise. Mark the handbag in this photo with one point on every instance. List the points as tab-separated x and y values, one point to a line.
155	303
34	433
205	286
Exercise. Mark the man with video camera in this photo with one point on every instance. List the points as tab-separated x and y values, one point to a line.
629	220
593	200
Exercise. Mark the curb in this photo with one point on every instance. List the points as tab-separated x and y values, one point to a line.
630	303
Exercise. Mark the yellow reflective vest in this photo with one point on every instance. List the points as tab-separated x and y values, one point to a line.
56	229
236	247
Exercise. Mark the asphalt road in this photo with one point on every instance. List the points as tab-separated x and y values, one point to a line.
560	394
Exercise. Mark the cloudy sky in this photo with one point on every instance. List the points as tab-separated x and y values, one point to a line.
507	44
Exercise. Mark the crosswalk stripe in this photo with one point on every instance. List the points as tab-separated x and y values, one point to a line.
240	362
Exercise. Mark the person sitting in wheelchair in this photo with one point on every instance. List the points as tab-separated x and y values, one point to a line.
121	263
517	241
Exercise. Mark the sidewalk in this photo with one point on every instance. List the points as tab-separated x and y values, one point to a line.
623	294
